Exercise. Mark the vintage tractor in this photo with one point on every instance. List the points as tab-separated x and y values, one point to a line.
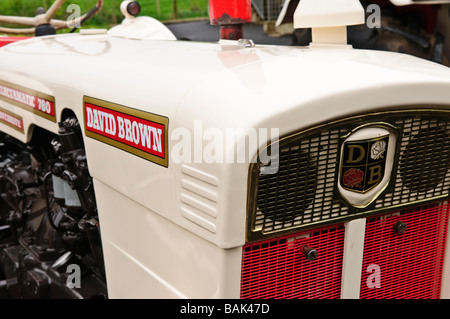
136	165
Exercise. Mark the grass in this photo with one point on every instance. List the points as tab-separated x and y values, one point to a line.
110	14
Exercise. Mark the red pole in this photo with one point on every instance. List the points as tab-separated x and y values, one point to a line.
230	15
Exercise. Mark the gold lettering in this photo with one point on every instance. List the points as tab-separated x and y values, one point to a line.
351	154
375	174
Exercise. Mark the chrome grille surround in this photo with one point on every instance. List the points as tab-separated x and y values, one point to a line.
303	193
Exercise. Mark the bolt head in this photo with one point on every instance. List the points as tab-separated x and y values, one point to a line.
310	253
400	227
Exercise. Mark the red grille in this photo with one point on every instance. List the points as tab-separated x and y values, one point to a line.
278	268
410	264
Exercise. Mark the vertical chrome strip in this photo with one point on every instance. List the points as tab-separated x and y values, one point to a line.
353	257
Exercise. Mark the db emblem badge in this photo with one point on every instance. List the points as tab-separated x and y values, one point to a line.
363	164
367	157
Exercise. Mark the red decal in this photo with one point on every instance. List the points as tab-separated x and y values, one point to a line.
39	103
353	178
143	134
12	120
7	40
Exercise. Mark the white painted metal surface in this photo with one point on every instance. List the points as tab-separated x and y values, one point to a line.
179	231
142	28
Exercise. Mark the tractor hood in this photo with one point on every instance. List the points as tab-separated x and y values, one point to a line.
177	86
221	83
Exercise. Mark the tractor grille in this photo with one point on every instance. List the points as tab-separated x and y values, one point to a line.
302	193
410	264
298	205
279	268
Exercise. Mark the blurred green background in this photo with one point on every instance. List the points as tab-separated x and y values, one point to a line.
163	10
